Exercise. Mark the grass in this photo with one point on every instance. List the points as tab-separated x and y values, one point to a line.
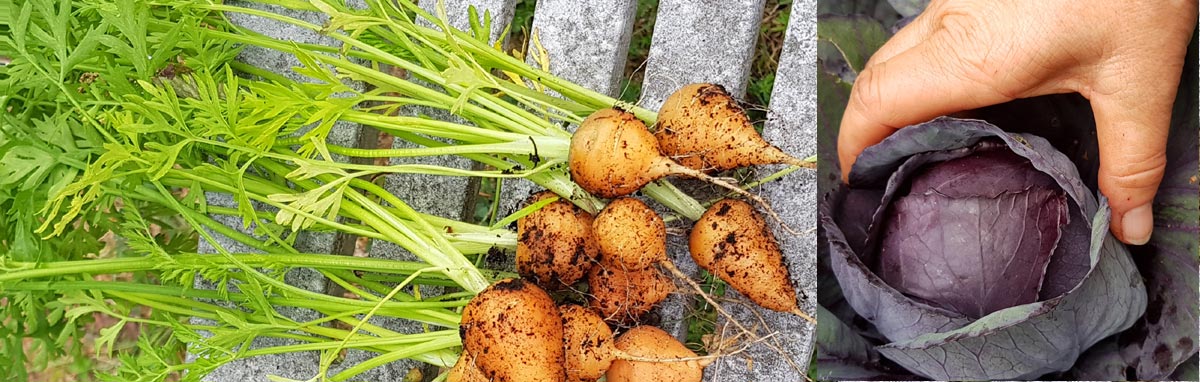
639	50
768	48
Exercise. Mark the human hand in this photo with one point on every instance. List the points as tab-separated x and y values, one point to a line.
1124	56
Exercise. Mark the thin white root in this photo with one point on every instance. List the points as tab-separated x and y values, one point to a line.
679	275
677	231
738	190
703	360
803	315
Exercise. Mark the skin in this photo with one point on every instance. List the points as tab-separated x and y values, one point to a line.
1124	56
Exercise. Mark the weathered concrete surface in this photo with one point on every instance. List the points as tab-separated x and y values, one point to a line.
701	41
587	41
792	127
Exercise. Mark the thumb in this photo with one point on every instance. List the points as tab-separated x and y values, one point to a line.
1132	131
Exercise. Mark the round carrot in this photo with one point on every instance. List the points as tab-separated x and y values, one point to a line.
465	370
612	154
630	234
674	361
734	243
515	332
555	245
588	343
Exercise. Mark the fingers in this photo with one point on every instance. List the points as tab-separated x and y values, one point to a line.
923	82
1132	128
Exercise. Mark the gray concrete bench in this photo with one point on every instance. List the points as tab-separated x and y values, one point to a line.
587	41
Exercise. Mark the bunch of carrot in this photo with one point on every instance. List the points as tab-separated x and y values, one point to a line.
513	330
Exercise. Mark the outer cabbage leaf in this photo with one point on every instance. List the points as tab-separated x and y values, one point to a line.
1188	370
855	38
844	355
1100	363
831	103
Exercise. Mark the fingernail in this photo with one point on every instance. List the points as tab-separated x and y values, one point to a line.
1138	224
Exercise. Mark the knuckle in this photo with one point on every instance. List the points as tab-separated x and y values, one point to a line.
961	22
1137	172
963	28
967	17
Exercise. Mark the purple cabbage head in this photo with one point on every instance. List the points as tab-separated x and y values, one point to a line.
977	254
974	234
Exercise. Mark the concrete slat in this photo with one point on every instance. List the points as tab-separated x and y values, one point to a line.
587	41
791	125
701	41
501	12
697	41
